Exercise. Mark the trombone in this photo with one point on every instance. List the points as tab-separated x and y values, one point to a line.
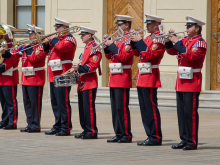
70	30
40	38
119	31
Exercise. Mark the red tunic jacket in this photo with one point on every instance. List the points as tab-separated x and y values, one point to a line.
34	57
120	53
64	49
149	51
7	64
191	53
90	62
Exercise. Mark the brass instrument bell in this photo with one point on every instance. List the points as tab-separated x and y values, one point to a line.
4	30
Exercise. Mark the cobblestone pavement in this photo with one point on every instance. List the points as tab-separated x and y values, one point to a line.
38	148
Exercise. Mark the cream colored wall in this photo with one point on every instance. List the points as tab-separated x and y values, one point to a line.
0	10
80	13
174	13
94	14
6	11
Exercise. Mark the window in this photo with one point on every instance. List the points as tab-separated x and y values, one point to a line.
29	12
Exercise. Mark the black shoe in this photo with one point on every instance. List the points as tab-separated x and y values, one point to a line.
179	146
61	133
24	130
89	136
114	139
125	140
1	126
32	130
80	135
141	143
52	132
188	147
151	143
8	127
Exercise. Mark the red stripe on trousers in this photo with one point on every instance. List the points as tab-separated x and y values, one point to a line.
125	114
194	119
15	106
67	108
155	114
39	100
91	112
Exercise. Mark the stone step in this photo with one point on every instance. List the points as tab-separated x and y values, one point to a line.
133	91
162	106
208	100
161	99
167	92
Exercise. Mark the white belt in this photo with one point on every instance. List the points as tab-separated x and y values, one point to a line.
126	66
196	70
154	66
35	69
40	68
15	69
81	74
66	61
63	62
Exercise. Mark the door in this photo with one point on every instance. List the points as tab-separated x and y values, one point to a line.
132	8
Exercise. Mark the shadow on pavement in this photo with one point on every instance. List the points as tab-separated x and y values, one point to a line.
208	148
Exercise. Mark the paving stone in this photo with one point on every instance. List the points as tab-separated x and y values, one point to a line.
38	148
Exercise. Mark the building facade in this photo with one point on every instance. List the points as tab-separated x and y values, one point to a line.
99	15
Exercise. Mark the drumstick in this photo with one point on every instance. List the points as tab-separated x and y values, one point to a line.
67	72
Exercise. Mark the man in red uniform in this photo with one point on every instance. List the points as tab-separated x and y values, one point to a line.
121	59
61	49
151	52
89	62
190	53
33	80
9	79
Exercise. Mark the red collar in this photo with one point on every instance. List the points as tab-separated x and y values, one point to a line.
156	33
9	41
195	37
127	33
90	43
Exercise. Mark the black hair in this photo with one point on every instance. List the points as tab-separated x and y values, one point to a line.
92	36
200	29
129	23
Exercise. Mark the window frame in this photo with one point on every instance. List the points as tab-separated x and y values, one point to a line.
33	14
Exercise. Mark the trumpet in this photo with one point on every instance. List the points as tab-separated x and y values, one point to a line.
141	32
119	31
167	35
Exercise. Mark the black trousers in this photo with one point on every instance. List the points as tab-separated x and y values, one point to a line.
60	102
8	99
32	98
120	112
87	113
150	113
188	117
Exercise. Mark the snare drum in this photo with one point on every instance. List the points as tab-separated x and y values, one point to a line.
66	80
